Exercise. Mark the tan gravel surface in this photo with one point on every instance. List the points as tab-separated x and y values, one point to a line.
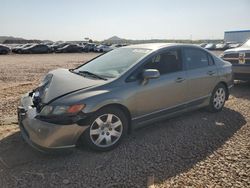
197	149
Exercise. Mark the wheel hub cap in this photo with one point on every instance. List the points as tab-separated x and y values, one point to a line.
106	130
219	98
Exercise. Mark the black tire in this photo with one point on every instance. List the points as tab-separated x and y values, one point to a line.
217	105
88	140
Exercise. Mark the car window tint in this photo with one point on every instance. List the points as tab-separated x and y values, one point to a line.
211	60
195	58
167	62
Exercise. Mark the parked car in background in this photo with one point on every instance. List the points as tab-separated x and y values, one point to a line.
103	48
203	45
55	46
70	48
222	46
210	46
240	59
35	49
4	49
100	101
234	45
89	47
17	48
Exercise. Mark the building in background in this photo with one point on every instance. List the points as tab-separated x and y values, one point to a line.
237	36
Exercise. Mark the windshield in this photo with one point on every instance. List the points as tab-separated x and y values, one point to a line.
114	63
246	44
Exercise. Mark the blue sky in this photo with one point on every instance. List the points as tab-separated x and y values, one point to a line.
131	19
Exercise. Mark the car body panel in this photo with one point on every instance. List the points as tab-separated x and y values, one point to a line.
61	84
160	93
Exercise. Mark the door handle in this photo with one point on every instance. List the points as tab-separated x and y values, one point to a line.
179	80
211	73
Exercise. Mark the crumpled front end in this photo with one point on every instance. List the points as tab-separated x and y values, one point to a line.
44	135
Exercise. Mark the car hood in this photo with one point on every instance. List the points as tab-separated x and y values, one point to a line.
237	50
64	82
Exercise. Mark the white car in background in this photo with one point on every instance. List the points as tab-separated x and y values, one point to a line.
240	59
103	48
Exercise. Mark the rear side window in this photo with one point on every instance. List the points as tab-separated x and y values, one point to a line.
166	62
211	60
196	58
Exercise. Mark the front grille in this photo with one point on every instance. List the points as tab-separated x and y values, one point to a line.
235	55
247	55
236	61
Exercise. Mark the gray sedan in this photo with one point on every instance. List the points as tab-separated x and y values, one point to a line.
101	101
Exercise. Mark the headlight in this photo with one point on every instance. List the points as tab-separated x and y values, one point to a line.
43	86
59	110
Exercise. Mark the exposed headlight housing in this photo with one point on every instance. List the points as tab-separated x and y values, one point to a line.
46	80
49	110
43	86
39	92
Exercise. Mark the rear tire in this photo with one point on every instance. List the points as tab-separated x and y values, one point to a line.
107	128
218	98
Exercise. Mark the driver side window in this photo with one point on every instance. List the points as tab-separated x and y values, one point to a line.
166	62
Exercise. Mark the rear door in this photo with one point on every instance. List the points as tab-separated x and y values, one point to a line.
167	91
201	73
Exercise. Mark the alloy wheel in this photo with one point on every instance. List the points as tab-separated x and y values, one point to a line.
106	130
219	98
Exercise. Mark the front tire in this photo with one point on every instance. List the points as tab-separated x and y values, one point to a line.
107	128
218	98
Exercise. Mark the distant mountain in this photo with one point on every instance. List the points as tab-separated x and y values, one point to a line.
18	40
3	38
114	38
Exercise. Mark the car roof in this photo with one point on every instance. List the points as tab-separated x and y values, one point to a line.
156	46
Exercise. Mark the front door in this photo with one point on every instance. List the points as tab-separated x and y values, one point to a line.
165	92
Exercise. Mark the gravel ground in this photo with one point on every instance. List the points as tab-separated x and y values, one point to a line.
197	149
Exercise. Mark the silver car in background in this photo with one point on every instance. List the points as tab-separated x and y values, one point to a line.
101	101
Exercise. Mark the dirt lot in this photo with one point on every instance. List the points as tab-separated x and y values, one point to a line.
197	149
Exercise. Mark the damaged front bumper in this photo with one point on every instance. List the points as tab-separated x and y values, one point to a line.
45	136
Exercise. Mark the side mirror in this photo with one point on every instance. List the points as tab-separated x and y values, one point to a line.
150	74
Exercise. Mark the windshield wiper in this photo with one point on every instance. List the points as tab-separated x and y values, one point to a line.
91	74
